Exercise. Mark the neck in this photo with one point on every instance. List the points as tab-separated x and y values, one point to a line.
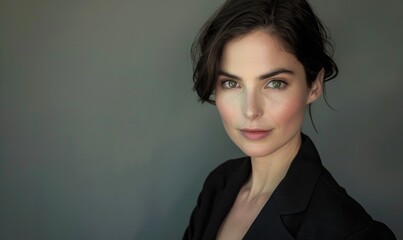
269	171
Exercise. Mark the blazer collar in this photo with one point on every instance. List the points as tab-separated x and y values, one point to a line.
293	193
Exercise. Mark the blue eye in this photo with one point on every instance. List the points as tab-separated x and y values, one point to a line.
229	84
276	84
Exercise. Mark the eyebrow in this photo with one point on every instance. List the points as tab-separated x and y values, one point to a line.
261	77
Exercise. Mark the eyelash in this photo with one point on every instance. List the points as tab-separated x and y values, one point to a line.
283	84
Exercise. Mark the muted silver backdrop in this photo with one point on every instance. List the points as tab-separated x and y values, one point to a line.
101	136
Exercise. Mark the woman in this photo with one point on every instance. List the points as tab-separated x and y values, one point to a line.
262	63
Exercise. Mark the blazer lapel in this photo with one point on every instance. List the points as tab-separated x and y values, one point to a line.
291	196
268	225
293	193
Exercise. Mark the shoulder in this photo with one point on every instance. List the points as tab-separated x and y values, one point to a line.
374	231
335	198
334	209
332	205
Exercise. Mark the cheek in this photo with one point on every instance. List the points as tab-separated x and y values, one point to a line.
290	114
225	110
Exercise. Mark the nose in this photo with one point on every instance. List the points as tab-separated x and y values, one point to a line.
253	105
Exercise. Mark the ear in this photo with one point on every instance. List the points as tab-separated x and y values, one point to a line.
317	87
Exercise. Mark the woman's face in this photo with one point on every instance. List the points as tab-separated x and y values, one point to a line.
261	95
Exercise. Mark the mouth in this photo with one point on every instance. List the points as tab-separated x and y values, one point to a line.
255	134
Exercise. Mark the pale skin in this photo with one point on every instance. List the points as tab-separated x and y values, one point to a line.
261	95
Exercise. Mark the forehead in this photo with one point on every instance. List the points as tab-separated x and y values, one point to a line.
258	51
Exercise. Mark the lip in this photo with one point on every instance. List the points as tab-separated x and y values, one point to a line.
255	134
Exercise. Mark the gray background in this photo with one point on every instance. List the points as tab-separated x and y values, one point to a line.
101	136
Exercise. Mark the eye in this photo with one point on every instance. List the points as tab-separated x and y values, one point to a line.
276	84
229	84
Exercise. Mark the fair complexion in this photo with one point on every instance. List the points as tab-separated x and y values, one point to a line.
261	95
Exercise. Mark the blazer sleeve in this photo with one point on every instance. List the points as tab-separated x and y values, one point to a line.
200	214
191	228
375	231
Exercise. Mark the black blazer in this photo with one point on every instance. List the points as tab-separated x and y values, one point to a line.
307	204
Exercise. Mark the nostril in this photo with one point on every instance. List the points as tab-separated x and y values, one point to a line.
252	111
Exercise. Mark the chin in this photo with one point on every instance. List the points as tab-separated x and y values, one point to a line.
256	151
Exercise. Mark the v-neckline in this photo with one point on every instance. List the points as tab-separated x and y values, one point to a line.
267	220
239	200
291	195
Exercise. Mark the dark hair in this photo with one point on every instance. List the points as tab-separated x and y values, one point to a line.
292	21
